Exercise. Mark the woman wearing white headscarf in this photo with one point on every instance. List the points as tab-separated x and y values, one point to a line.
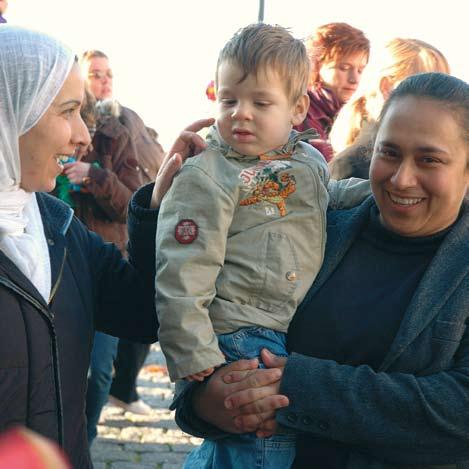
58	281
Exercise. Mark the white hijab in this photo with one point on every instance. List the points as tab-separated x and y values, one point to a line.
33	68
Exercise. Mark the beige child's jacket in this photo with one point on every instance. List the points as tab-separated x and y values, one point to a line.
240	240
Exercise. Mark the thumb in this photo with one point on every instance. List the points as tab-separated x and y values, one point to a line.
270	360
176	162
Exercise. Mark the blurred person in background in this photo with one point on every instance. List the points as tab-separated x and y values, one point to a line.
339	53
149	154
353	131
98	186
99	76
3	8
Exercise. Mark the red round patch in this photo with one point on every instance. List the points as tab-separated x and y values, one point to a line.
186	231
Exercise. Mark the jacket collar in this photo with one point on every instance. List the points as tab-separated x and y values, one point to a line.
450	263
56	219
56	215
344	226
215	142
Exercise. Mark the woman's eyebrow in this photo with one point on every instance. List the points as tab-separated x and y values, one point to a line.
70	101
431	149
421	148
387	143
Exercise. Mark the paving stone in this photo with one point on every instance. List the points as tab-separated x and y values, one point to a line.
113	455
126	465
130	441
99	465
147	447
179	448
158	458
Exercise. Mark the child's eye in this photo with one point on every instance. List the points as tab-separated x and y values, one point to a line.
228	102
262	103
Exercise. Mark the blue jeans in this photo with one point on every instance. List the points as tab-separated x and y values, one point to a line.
239	451
99	379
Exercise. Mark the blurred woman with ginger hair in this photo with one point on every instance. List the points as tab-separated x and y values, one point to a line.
339	53
353	131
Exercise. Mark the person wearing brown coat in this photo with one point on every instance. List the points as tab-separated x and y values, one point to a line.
130	355
113	175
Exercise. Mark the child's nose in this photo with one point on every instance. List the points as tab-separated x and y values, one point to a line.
242	112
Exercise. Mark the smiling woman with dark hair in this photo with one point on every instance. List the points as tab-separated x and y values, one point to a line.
378	371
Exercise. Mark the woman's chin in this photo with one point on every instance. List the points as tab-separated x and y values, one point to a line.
44	186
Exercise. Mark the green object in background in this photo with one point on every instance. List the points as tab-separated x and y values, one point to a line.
63	190
64	187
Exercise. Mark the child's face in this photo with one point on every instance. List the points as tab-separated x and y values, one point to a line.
256	115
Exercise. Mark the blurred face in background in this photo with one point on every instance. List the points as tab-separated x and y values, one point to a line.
343	74
99	77
3	6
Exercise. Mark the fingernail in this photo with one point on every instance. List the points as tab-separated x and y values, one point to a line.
228	404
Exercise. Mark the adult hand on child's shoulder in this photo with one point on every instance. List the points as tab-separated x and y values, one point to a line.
188	143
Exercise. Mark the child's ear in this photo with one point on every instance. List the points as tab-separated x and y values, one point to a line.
300	110
386	85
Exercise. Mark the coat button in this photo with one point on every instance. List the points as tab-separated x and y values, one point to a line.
323	425
291	276
306	420
292	418
50	242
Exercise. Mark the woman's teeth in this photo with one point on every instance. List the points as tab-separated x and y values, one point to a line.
406	200
61	159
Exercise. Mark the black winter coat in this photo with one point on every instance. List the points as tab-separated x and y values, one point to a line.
45	348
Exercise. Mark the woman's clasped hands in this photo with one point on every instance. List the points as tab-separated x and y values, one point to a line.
240	397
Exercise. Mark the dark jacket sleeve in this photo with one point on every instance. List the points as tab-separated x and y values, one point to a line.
118	176
125	296
398	417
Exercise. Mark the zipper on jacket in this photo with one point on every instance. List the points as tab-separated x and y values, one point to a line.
55	351
59	278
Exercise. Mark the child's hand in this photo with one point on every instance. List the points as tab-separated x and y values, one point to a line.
201	375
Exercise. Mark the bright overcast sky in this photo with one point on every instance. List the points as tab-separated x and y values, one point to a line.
163	52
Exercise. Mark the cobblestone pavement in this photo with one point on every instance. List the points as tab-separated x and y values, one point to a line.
130	441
